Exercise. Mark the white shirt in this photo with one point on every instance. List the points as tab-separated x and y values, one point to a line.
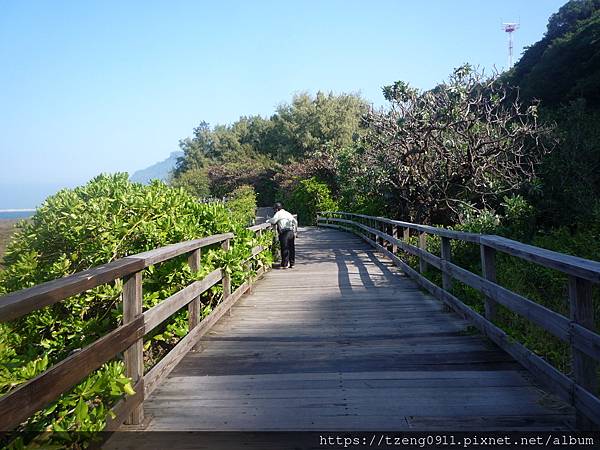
284	220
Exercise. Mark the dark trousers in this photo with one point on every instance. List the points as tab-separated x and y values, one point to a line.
288	247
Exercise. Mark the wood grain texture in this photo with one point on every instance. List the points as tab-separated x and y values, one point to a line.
571	265
584	367
19	303
165	309
586	403
195	306
488	270
345	341
164	367
134	355
171	251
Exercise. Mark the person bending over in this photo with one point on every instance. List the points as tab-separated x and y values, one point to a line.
287	227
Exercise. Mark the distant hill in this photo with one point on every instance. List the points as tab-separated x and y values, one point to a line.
158	171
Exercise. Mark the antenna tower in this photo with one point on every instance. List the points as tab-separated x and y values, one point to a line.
509	28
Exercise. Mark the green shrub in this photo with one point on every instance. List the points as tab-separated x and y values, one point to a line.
194	181
74	230
242	204
309	197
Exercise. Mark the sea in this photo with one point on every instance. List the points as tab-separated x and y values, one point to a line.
16	213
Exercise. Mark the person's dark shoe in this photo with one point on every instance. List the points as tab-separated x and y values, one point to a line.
291	266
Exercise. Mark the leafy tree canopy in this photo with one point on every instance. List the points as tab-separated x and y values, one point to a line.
565	64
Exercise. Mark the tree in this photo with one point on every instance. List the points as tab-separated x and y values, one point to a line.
308	198
303	135
310	124
195	181
565	64
464	144
196	151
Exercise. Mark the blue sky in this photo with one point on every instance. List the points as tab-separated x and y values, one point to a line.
107	86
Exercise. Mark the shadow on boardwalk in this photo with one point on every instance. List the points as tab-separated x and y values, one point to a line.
345	342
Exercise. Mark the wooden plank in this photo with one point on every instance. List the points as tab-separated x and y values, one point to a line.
546	373
18	405
588	409
260	227
255	251
586	341
166	365
571	265
540	315
496	422
551	321
134	355
171	251
165	309
584	367
22	302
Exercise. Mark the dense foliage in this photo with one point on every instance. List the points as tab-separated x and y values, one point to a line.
105	220
563	71
273	154
308	198
461	145
565	64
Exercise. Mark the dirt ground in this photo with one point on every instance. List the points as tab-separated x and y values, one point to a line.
7	228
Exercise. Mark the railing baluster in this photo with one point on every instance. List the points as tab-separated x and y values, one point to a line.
446	256
396	235
422	246
226	276
134	355
406	234
488	269
584	367
195	306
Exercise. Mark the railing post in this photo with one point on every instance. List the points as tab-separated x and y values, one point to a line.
488	269
395	234
406	235
226	276
372	225
422	246
584	367
134	355
195	306
446	256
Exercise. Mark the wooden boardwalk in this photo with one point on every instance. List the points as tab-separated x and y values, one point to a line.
343	341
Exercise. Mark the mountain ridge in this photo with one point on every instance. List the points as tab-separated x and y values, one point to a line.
158	171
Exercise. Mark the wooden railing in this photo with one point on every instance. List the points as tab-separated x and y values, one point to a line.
24	401
577	330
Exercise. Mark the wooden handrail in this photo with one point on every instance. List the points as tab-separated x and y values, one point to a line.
35	394
19	303
577	330
571	265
